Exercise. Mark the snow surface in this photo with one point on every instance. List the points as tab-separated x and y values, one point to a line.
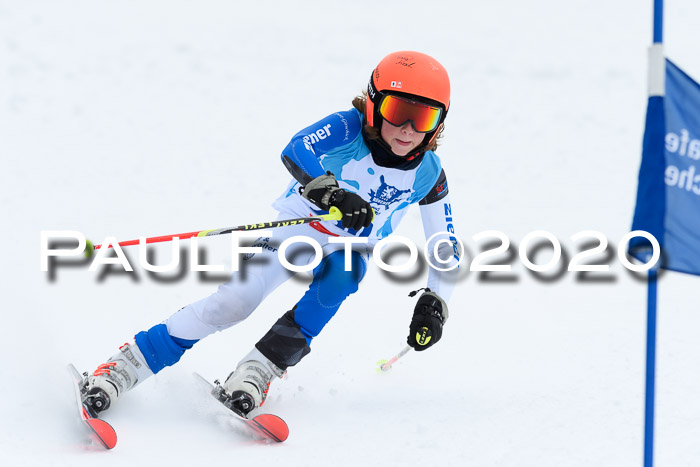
139	118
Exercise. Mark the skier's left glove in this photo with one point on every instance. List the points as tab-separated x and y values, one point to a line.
429	315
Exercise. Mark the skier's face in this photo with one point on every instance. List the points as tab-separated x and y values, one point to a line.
402	139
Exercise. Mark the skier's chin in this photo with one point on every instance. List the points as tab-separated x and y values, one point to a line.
401	150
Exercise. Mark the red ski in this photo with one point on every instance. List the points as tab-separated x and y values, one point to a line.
101	430
266	425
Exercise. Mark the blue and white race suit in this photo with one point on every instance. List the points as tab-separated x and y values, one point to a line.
334	144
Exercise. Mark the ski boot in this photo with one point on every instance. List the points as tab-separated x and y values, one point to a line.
246	388
111	380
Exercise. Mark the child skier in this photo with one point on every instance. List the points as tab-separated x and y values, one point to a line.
370	162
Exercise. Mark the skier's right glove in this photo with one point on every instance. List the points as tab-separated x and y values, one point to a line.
429	315
324	192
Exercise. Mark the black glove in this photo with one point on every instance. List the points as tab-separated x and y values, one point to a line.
324	192
428	317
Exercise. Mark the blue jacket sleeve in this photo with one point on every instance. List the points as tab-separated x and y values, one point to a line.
301	156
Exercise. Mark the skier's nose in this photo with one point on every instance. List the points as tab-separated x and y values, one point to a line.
408	128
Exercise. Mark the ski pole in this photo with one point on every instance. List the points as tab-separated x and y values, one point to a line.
333	215
385	365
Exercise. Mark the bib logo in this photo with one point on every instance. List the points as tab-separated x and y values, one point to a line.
386	195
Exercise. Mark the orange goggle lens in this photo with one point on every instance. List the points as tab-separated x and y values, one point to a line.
397	111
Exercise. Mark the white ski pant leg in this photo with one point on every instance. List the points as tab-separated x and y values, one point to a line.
235	300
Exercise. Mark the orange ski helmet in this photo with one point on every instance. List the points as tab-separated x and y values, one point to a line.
411	75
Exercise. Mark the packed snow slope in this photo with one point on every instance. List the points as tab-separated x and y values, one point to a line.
135	118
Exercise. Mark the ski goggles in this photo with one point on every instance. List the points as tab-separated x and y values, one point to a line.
399	110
